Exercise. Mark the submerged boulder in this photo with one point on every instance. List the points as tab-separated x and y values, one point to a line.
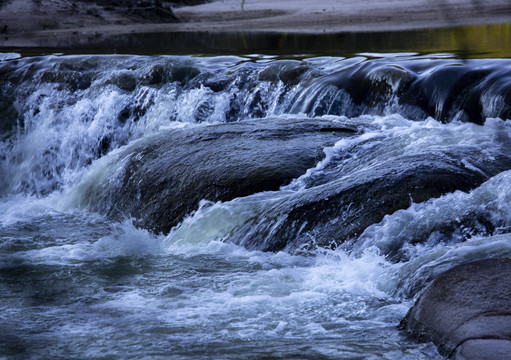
163	178
466	311
329	214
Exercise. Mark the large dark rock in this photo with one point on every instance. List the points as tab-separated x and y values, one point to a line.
343	207
466	311
164	178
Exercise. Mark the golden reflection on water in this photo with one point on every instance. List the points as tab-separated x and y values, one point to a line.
472	41
479	41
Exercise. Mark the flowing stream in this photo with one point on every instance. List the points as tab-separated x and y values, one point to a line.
77	283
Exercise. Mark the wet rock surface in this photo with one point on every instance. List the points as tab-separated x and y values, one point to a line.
329	214
466	311
445	92
164	180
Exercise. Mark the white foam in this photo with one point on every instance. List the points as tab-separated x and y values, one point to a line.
122	240
256	302
492	199
216	221
9	56
127	240
387	137
429	262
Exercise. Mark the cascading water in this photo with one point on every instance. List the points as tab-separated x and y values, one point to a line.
77	282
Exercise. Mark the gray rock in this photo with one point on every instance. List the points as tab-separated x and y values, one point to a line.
484	349
340	209
165	177
466	311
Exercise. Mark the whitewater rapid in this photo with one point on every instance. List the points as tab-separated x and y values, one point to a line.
76	283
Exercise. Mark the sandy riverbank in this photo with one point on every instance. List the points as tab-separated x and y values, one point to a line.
63	23
331	16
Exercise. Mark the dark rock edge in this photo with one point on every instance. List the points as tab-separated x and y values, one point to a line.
466	311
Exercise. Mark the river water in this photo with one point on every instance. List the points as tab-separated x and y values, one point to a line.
75	283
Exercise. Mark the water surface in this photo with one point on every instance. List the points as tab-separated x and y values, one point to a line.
76	284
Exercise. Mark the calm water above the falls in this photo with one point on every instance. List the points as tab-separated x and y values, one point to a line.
77	283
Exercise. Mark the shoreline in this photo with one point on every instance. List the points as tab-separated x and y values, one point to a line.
261	20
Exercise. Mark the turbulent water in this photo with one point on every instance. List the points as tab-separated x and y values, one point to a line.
77	284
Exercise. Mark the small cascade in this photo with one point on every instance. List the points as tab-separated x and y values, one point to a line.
59	114
217	206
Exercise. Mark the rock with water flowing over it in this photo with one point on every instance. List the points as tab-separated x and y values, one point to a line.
340	209
418	90
466	311
163	179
